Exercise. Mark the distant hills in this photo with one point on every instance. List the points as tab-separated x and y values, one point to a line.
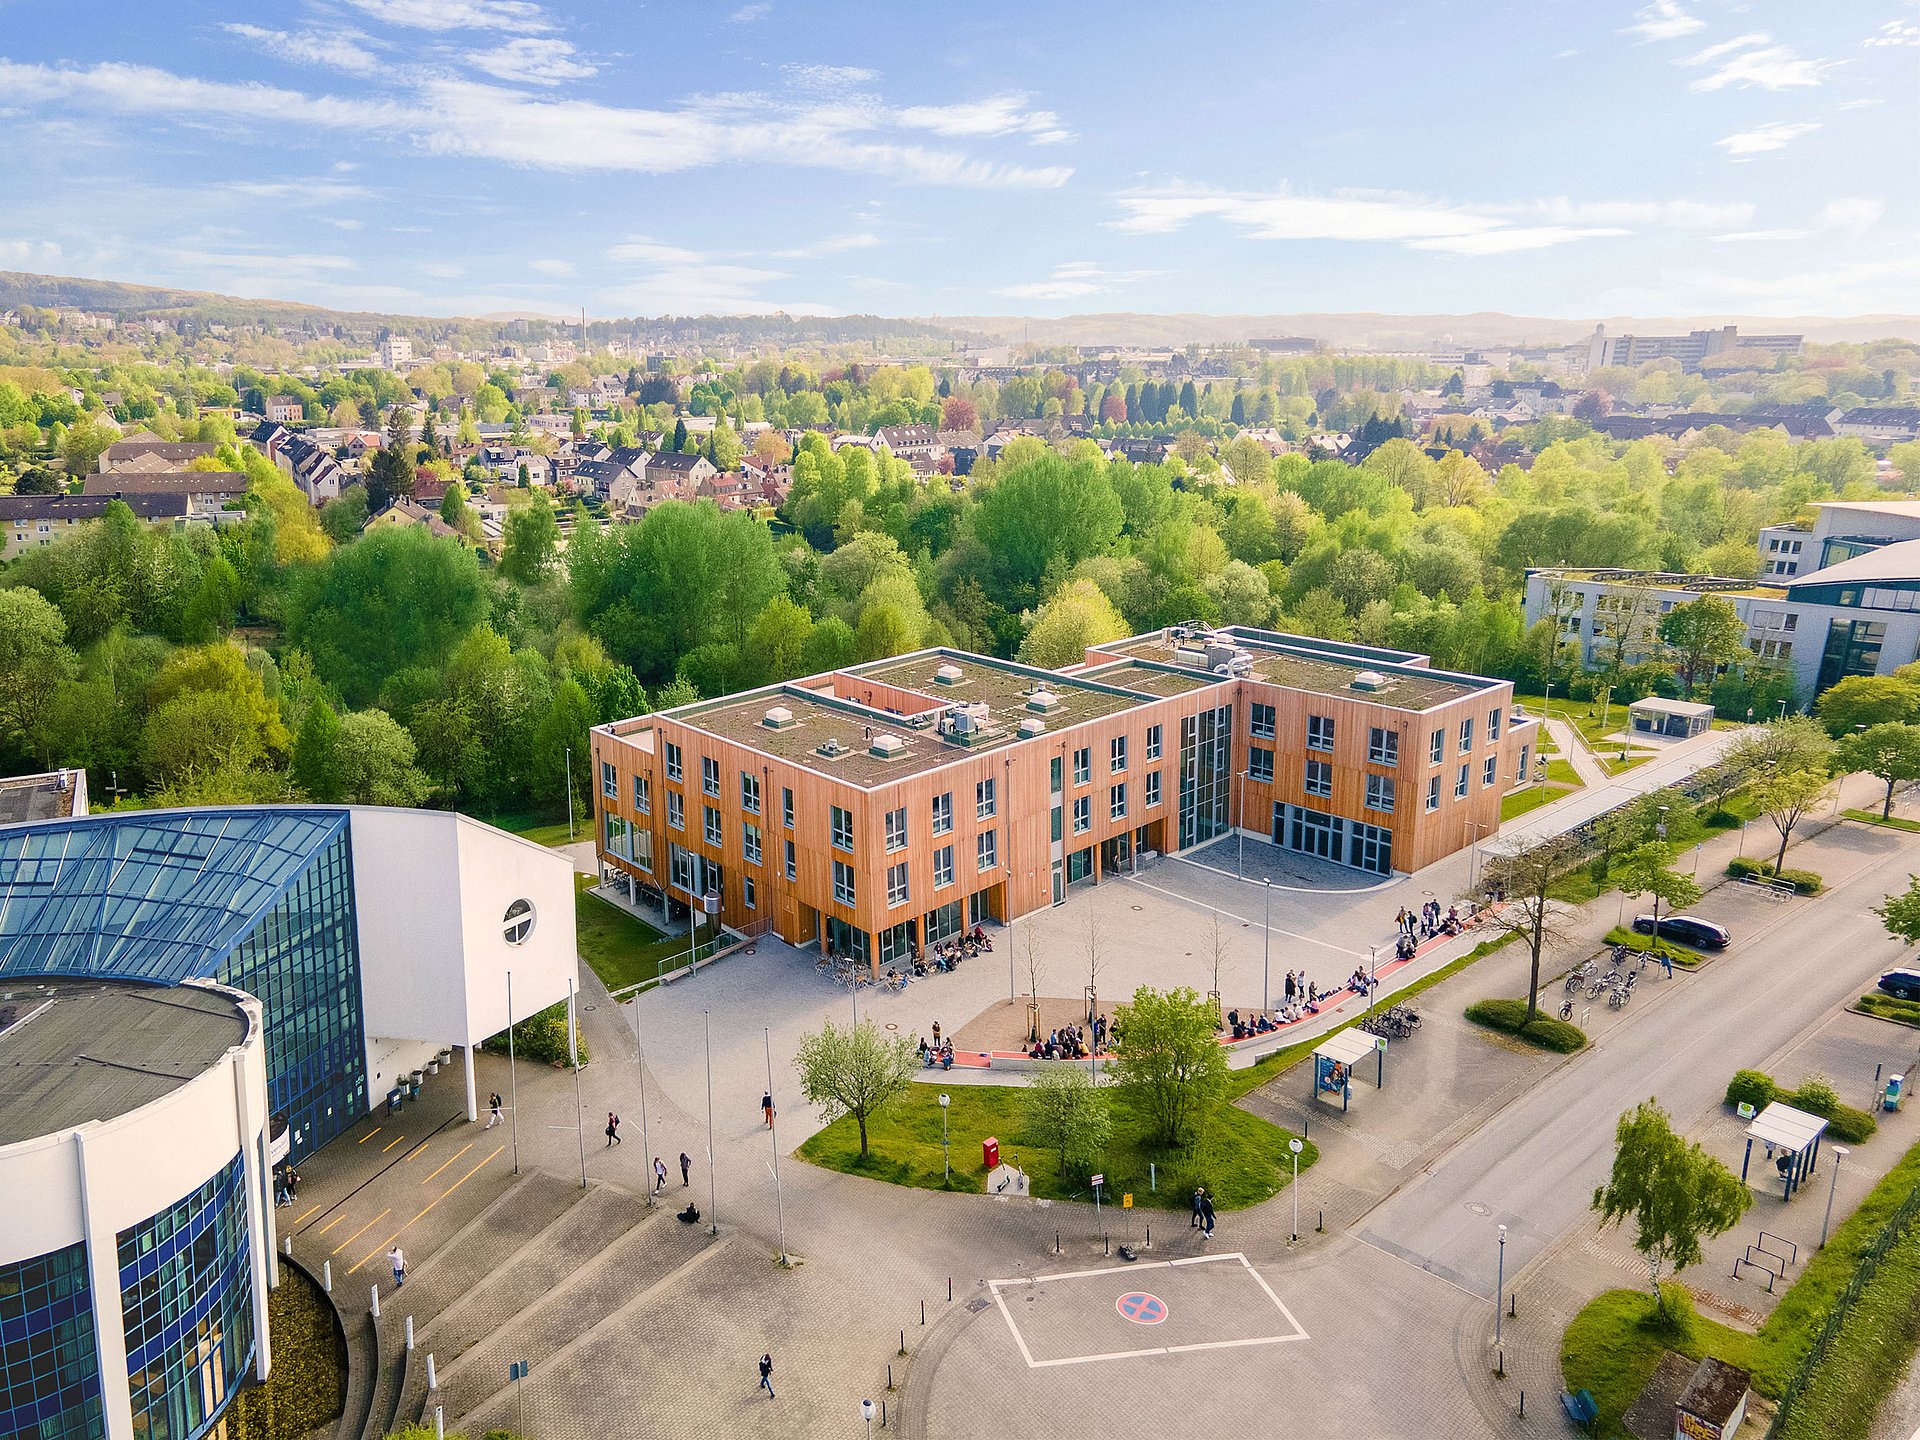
1346	330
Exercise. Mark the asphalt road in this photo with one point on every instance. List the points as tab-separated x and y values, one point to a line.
1534	1166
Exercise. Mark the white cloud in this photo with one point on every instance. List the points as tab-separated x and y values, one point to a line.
1894	32
1075	280
448	116
1855	215
442	269
348	51
1754	61
300	192
516	17
532	61
685	282
827	79
560	268
747	14
646	251
832	245
1745	236
29	254
994	116
1364	216
1763	138
1663	20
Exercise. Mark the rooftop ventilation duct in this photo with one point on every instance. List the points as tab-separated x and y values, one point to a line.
1031	727
1043	702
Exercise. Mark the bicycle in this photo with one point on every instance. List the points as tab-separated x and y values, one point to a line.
1566	1008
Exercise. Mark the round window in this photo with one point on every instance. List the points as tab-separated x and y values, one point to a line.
517	924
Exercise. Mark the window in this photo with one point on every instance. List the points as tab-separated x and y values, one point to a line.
843	882
1319	778
943	814
983	800
1261	723
712	824
1082	814
1380	793
709	775
1153	788
1260	764
1319	732
748	893
750	842
1083	764
676	810
1383	746
1490	772
1433	793
517	924
1117	754
1436	746
840	828
943	867
896	825
642	848
986	852
1153	742
792	868
1466	735
673	761
609	780
1493	725
897	884
749	793
642	795
1053	775
1117	802
1520	771
786	807
1460	785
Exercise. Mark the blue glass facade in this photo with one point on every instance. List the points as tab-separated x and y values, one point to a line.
261	899
186	1290
49	1372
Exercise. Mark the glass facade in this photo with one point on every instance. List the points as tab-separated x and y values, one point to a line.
1206	774
49	1374
186	1289
301	960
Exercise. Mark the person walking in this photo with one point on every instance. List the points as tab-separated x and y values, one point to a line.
659	1174
1199	1201
766	1375
613	1129
766	1107
1289	987
493	1109
686	1170
398	1262
1206	1216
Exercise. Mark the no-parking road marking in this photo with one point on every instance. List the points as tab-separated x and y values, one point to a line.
1147	1309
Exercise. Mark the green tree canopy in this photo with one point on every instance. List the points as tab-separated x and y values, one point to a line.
1890	751
1868	700
1702	635
1075	616
1674	1191
853	1070
1169	1066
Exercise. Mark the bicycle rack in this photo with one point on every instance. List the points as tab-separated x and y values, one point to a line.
1738	1261
1792	1257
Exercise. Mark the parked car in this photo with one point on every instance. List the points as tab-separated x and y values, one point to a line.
1686	930
1903	984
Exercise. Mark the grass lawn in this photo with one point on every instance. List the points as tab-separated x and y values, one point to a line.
1516	803
622	949
1890	1007
1866	1357
1634	940
1561	772
1244	1161
1614	1344
542	829
1872	817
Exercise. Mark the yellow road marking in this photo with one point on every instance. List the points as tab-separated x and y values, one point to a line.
302	1219
368	1136
457	1154
419	1149
391	1143
387	1244
362	1230
333	1222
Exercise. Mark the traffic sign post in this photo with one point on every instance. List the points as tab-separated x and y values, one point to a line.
517	1372
1296	1147
1098	1181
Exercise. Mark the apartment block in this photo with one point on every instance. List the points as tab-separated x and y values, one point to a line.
888	806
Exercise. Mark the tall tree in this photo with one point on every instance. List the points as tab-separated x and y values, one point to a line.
1702	635
1075	616
1889	751
1784	797
1066	1111
319	766
1168	1065
1524	876
1674	1191
532	540
1648	870
853	1071
1868	700
390	472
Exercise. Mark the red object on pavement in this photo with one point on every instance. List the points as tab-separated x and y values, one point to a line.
990	1152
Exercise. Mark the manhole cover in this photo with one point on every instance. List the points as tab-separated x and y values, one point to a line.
1477	1208
892	1026
1133	907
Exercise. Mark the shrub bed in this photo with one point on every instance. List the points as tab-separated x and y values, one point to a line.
1645	945
309	1380
1890	1007
1510	1017
1815	1095
541	1038
1804	882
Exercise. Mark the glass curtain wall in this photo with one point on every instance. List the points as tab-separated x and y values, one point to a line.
1206	774
49	1375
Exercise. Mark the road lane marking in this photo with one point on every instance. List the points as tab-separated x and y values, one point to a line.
363	1230
391	1143
303	1219
387	1244
368	1136
456	1155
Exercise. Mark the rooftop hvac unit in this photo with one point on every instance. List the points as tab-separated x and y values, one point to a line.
970	719
886	747
1031	727
831	748
1191	655
948	675
1369	680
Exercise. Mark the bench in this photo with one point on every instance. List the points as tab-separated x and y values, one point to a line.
1580	1408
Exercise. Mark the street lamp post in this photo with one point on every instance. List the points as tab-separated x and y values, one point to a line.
1240	863
713	1182
1296	1147
946	1156
1839	1153
1266	944
1783	709
1500	1289
773	1133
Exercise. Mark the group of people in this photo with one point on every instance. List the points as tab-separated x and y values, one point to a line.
1202	1213
1360	982
938	1053
1424	923
1070	1042
286	1187
1299	989
1254	1024
949	953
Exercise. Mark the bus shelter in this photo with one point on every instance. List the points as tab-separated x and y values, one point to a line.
1792	1141
1335	1057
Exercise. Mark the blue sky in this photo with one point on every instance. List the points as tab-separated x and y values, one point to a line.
468	156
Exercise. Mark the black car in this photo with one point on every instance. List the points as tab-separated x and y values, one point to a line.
1902	984
1686	930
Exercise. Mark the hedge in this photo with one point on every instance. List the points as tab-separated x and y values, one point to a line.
1510	1017
541	1038
1646	945
1891	1007
1804	882
1816	1096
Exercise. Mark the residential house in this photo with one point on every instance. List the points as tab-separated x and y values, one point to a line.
286	410
29	520
149	453
1879	424
403	514
208	492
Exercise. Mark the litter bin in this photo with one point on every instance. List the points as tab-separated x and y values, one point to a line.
413	1085
990	1153
393	1101
1896	1092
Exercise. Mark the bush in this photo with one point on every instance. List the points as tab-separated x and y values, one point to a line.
1750	1087
1850	1125
1645	945
1544	1031
1891	1007
1804	882
1816	1095
541	1038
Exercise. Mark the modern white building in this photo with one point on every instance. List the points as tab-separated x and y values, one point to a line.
1840	597
188	997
